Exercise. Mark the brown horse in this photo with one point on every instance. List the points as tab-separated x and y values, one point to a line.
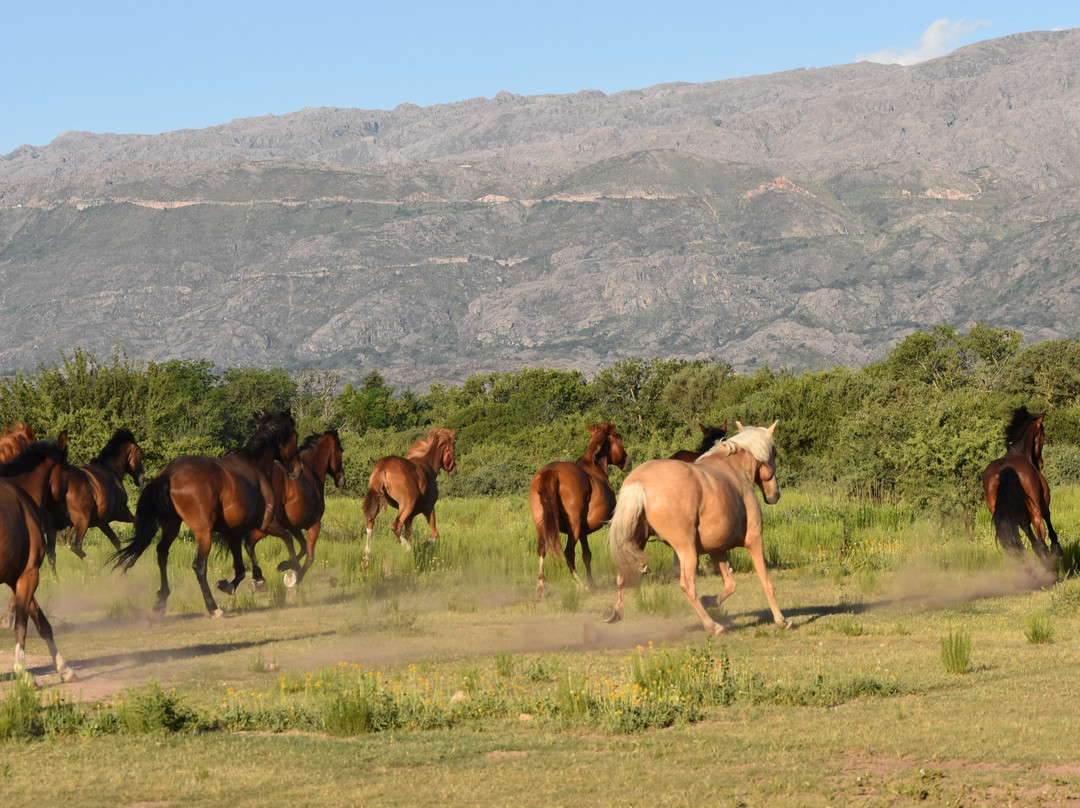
33	496
703	507
301	503
576	499
1017	493
96	495
230	495
17	436
408	484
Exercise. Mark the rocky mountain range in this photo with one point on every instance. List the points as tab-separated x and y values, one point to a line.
802	219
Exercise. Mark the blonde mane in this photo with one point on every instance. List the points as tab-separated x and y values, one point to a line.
437	436
757	440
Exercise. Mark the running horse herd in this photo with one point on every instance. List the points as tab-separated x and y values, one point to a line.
701	502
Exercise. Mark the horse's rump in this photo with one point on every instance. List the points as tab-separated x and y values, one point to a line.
545	504
1010	510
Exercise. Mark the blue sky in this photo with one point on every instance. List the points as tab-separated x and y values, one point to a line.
145	68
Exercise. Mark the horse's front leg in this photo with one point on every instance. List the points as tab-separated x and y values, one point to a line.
229	587
432	526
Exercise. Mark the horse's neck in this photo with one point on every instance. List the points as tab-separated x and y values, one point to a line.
115	466
317	461
35	483
600	464
430	460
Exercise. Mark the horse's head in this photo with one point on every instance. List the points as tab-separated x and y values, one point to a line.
275	439
758	442
1024	434
55	504
449	463
606	446
334	464
133	462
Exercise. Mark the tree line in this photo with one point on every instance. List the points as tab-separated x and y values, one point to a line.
919	426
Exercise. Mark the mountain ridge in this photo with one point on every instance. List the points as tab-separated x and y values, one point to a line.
800	219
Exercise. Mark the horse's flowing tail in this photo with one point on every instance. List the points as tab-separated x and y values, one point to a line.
628	532
154	503
374	501
1010	511
547	530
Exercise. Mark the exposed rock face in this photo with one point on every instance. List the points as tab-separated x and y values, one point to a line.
802	219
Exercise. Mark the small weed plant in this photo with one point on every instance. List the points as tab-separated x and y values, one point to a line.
956	651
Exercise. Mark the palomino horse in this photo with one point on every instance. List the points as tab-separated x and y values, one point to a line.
1017	493
229	495
301	502
96	494
17	436
576	499
33	495
408	484
710	436
703	507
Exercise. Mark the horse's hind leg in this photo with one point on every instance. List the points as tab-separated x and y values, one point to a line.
720	562
586	559
688	562
202	540
229	587
44	628
168	535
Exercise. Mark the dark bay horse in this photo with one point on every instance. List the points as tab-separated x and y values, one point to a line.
576	499
703	507
710	436
33	500
17	436
230	495
408	484
1017	493
96	495
301	503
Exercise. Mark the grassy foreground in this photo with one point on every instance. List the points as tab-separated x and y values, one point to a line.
435	676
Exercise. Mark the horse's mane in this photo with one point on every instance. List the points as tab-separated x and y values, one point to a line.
33	456
601	433
757	440
1018	426
313	439
273	430
120	438
423	446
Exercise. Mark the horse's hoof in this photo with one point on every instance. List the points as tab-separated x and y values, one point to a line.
717	630
226	587
645	570
217	614
611	616
365	562
785	624
69	677
291	579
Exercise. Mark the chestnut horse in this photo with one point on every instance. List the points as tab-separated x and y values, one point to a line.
33	497
230	495
576	499
703	507
17	436
408	484
96	495
1017	493
301	503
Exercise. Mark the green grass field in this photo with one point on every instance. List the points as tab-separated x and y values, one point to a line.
922	668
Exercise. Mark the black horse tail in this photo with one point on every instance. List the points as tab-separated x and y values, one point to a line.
1010	511
547	529
155	501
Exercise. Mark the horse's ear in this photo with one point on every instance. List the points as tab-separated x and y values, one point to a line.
739	425
774	423
704	431
723	426
61	439
30	433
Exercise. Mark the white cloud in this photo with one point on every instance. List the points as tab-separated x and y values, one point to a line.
940	38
